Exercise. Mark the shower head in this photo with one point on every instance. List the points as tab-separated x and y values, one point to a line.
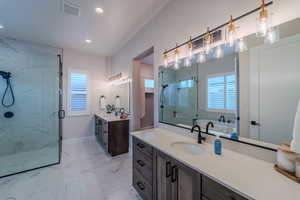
5	75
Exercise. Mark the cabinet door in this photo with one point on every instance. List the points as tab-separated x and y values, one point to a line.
185	183
163	177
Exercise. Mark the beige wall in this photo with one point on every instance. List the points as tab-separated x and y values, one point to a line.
79	126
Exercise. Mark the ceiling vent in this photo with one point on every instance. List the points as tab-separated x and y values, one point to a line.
71	7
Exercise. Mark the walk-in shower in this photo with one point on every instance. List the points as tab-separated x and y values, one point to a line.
30	128
178	95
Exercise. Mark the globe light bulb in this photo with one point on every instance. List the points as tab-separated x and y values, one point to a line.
231	33
241	45
202	57
263	22
190	53
176	57
219	52
208	39
272	35
166	59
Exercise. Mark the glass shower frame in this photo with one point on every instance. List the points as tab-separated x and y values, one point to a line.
182	85
60	115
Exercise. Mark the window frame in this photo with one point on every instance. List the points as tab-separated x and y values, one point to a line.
225	92
69	96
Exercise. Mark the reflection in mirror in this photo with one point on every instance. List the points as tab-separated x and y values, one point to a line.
178	95
269	86
251	96
119	95
217	93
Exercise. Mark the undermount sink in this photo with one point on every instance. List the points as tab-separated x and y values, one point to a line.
189	148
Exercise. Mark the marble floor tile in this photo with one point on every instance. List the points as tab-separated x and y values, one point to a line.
86	172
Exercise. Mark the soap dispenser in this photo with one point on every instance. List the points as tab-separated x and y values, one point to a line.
218	145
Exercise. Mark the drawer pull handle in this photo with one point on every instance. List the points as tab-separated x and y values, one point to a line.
141	145
174	175
141	185
141	163
168	169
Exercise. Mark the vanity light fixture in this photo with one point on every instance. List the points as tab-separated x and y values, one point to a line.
176	57
219	52
272	35
166	59
99	7
88	41
202	57
231	32
264	29
263	22
208	39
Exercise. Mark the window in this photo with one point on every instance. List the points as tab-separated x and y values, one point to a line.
78	93
149	83
221	92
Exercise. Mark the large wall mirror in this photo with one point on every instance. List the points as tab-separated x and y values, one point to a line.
250	96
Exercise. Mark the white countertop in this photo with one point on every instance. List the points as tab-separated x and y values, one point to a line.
249	177
109	117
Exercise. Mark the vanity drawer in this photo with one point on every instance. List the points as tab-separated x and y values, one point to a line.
142	186
143	164
215	191
142	146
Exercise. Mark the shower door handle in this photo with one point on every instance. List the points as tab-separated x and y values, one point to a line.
61	114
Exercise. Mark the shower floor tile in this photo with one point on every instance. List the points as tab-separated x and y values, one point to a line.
86	172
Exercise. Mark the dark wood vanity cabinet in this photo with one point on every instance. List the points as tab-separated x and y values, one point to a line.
143	169
174	180
112	135
157	176
211	190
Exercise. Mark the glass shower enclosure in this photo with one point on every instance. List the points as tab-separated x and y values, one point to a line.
30	125
178	95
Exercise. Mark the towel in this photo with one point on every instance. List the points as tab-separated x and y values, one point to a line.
295	144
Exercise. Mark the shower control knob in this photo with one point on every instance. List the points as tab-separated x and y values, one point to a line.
8	115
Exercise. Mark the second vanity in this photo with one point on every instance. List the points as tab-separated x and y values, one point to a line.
169	166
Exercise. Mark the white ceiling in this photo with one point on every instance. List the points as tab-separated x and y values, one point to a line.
42	21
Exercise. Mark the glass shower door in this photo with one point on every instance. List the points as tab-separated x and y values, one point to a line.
178	95
30	135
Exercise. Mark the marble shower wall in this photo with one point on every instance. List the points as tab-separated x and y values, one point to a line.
35	81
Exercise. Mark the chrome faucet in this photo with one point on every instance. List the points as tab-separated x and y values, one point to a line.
209	124
200	138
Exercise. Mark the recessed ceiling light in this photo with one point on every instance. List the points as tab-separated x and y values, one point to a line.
1	26
99	10
88	41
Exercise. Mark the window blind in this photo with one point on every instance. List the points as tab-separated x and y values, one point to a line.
221	93
79	92
215	95
230	92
